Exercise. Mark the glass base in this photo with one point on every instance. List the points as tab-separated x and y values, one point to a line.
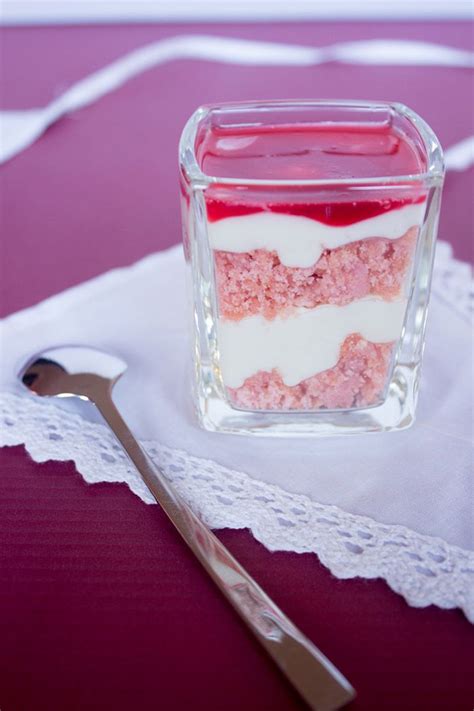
397	412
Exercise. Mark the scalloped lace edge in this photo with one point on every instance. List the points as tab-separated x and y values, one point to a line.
423	569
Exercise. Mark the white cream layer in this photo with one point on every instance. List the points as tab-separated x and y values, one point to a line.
304	343
300	241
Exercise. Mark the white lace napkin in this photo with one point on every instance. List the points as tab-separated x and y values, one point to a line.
395	505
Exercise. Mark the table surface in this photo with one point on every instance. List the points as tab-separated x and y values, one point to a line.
101	606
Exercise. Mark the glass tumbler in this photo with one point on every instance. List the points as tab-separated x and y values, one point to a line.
309	234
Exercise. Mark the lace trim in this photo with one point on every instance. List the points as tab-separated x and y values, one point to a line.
453	281
424	569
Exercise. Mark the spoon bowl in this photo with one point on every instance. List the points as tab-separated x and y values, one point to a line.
72	371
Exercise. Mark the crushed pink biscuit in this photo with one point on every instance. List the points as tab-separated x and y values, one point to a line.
357	380
257	282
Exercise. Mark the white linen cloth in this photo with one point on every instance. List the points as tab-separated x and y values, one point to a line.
396	505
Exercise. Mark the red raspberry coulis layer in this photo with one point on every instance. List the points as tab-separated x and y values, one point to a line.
337	214
306	152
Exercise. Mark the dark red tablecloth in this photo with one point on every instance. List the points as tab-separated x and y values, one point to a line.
101	607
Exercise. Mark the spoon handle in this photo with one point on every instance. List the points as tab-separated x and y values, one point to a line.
320	684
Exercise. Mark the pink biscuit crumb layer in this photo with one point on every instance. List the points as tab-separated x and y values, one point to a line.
257	282
357	380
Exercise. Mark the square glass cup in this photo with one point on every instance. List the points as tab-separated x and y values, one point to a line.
309	252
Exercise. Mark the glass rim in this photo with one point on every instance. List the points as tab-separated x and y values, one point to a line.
433	175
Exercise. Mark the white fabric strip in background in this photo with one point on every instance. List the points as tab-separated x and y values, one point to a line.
20	128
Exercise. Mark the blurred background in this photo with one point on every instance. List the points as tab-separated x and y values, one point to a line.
44	11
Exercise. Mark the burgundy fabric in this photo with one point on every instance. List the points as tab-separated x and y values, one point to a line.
101	607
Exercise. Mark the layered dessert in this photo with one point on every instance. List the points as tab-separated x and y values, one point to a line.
311	291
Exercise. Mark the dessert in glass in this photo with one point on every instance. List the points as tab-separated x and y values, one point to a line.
309	231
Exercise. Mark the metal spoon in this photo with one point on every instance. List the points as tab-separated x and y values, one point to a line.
91	375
